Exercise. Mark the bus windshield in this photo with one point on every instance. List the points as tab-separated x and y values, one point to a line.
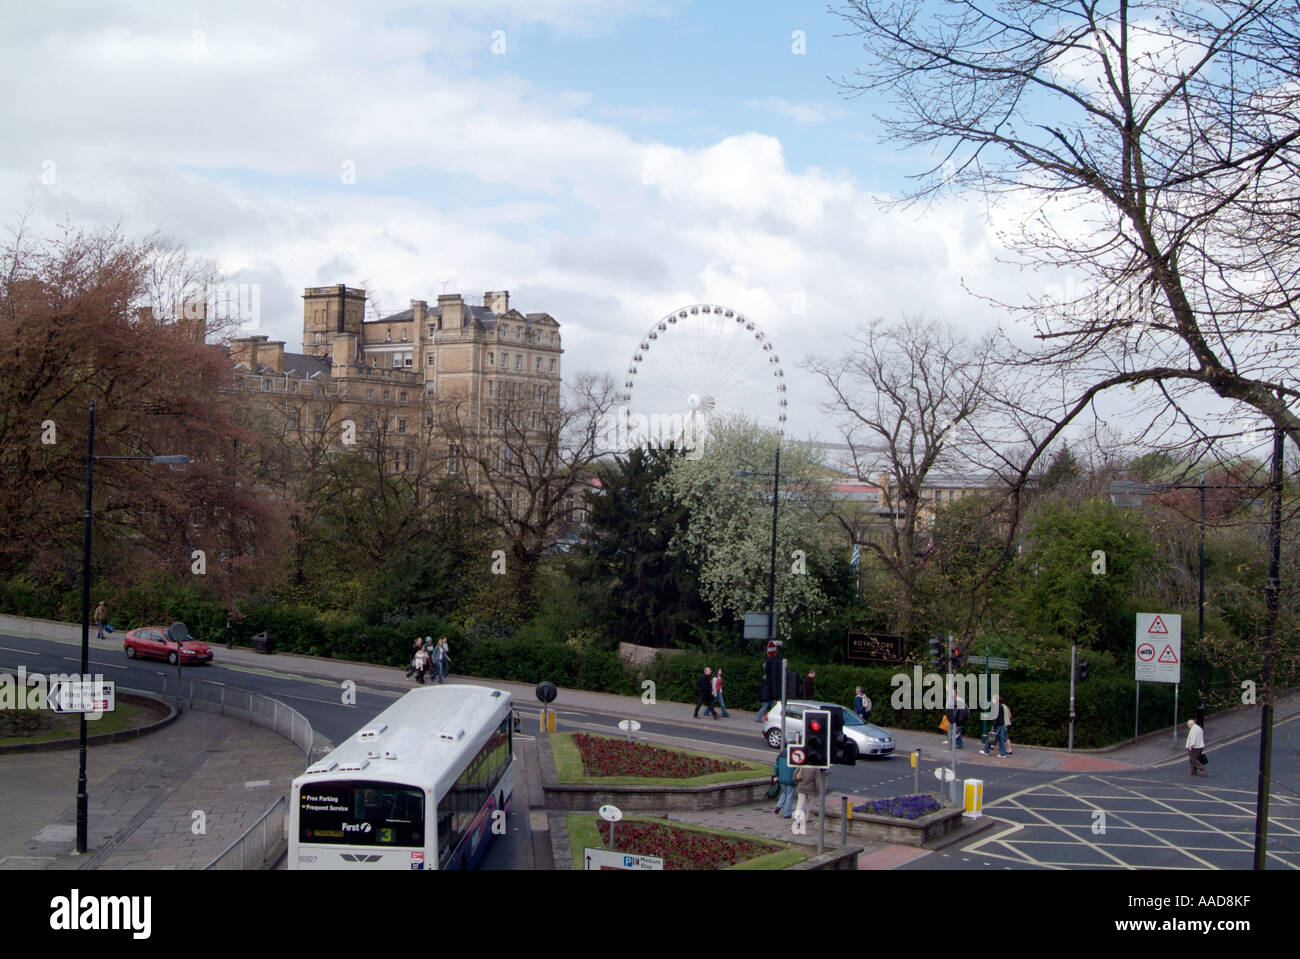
359	813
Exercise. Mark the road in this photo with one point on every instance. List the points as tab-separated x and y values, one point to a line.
1154	818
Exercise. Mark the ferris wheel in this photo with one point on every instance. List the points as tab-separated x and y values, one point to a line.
699	363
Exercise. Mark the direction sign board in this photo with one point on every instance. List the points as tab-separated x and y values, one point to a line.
607	859
97	696
874	647
1158	655
993	662
756	625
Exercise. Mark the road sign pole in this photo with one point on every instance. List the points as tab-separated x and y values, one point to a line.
1074	652
785	734
1137	712
1176	715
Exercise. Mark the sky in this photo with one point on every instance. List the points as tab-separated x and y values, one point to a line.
608	163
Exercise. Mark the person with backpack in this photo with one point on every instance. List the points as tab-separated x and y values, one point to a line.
101	618
862	704
785	779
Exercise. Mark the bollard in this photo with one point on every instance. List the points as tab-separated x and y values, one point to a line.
846	810
916	772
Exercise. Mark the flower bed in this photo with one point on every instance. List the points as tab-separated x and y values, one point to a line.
900	807
684	848
604	756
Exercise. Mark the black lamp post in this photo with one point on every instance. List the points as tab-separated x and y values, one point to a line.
83	797
771	573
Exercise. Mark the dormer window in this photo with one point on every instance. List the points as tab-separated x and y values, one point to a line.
388	336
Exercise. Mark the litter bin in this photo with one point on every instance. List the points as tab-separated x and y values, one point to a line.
262	643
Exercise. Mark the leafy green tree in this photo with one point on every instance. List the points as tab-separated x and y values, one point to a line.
650	591
728	536
1081	564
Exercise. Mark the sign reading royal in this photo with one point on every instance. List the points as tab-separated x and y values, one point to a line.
1158	656
874	647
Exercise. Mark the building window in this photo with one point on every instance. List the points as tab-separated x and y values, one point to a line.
453	458
431	330
317	421
403	336
387	394
266	385
388	336
370	425
410	459
552	370
428	421
519	333
402	396
293	387
519	360
430	360
397	361
407	359
491	358
401	425
370	393
374	361
489	387
537	368
293	420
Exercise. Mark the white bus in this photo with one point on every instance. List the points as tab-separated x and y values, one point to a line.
417	788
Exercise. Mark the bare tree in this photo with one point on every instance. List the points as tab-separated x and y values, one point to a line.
1156	145
906	393
527	456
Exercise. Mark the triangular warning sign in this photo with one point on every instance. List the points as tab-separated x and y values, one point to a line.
1167	655
1158	626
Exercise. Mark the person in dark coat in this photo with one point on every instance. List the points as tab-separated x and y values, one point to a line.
704	693
808	685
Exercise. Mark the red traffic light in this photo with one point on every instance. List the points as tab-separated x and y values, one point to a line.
815	726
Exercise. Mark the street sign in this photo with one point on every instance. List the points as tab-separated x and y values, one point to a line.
773	646
993	662
756	625
83	697
795	755
629	725
610	813
605	859
874	647
1158	651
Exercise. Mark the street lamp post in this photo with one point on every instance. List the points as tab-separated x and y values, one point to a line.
83	796
771	576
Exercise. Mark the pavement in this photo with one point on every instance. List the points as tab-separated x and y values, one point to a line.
144	793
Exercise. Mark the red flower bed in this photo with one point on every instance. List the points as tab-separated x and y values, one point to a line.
684	848
602	756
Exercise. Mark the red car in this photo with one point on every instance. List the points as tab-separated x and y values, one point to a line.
151	642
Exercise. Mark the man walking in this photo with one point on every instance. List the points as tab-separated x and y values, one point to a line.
704	694
861	704
999	730
101	618
1195	746
808	684
959	716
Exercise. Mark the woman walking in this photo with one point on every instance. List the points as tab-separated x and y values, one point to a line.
717	693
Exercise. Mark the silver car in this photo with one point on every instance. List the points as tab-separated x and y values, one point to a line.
870	739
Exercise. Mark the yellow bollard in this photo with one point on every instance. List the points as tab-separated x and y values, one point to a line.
974	799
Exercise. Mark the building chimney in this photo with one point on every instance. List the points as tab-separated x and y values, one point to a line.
453	311
498	301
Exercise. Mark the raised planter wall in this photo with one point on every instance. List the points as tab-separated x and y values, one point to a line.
907	832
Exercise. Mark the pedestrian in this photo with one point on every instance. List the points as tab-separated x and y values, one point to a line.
101	618
958	717
1195	746
421	664
415	648
763	692
999	731
805	778
808	684
785	777
1006	714
861	704
717	693
443	658
704	693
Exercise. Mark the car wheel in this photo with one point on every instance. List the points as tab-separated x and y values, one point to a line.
774	738
171	659
130	652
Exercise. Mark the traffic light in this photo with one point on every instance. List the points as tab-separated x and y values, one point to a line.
844	752
956	658
771	688
793	684
817	737
1083	670
938	659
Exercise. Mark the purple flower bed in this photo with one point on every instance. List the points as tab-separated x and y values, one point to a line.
900	807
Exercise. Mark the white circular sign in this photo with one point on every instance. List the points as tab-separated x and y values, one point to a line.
611	813
797	757
629	725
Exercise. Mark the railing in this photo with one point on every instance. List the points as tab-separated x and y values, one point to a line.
261	846
265	841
